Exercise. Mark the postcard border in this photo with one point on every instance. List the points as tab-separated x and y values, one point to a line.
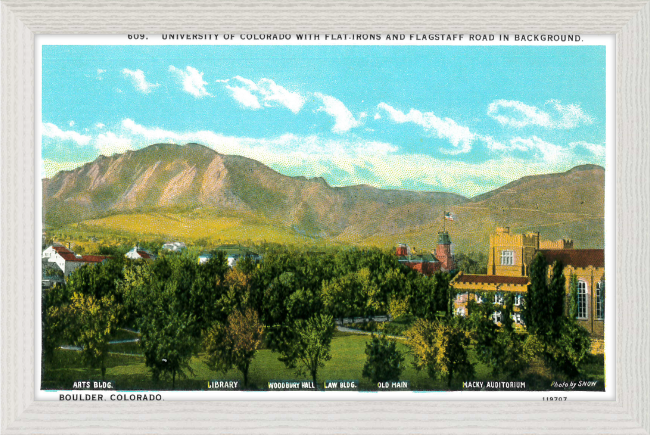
628	414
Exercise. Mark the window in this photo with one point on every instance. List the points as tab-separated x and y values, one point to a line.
600	302
507	258
496	317
582	300
518	318
479	299
519	300
460	312
498	298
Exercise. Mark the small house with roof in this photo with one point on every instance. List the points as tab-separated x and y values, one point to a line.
67	260
137	253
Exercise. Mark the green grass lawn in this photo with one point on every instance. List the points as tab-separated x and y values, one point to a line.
348	358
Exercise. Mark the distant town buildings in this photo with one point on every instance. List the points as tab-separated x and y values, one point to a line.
233	254
174	246
138	253
509	258
428	263
67	260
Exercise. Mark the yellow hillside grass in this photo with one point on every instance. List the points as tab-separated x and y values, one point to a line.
190	227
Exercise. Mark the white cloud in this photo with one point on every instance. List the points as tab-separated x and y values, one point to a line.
343	118
549	152
100	125
139	81
517	114
571	115
244	97
192	80
108	144
54	132
99	73
249	94
459	136
377	115
346	161
596	150
71	123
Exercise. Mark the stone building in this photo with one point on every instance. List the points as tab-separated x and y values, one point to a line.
429	263
510	256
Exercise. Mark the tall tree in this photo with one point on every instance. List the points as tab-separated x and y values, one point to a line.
538	306
573	297
167	334
94	321
441	348
557	297
235	343
383	362
311	348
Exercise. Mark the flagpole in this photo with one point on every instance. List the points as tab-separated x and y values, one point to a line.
444	220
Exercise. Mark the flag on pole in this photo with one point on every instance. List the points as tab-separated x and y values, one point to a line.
449	216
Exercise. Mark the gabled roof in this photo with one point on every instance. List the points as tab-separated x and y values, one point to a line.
61	249
490	279
575	257
69	256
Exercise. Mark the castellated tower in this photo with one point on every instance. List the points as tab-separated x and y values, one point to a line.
443	252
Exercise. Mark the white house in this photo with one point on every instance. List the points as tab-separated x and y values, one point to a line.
67	260
138	253
174	246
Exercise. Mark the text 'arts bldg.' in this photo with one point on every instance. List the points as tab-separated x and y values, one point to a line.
508	261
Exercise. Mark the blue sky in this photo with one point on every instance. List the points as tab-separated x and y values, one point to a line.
462	119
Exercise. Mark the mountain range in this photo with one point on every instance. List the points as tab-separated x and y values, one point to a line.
147	190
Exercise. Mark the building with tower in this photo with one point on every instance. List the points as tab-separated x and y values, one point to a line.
429	263
510	256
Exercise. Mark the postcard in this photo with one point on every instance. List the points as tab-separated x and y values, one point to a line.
325	216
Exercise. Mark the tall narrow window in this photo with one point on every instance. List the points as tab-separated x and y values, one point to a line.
582	300
496	317
519	300
599	301
507	258
498	299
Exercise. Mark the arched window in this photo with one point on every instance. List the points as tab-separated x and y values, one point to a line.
600	302
582	300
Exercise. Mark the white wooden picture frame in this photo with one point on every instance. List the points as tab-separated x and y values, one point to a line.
628	20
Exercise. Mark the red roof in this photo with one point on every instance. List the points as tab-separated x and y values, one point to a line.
144	254
62	249
491	279
576	257
94	258
69	256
